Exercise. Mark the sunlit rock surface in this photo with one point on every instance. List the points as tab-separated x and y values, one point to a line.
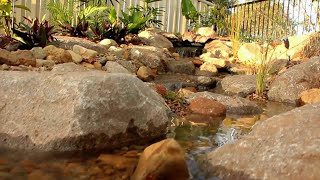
70	111
283	147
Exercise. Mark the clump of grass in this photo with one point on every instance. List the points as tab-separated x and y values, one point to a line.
235	34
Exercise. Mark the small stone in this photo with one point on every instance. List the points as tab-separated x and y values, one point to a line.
110	58
220	49
208	69
310	96
189	36
16	68
162	160
97	65
154	39
185	93
108	43
181	66
58	55
208	107
50	57
88	65
84	52
39	53
145	74
4	67
45	63
76	58
102	60
206	31
218	62
197	62
117	51
176	55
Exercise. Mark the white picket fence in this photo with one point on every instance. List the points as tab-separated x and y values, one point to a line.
172	18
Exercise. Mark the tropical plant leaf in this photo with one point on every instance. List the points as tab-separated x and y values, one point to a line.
187	7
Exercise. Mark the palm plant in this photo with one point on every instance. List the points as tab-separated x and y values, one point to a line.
6	13
76	25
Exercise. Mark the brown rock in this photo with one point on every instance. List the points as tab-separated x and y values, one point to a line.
197	62
57	54
192	89
154	39
211	58
288	86
118	162
181	66
207	106
176	55
88	65
189	36
145	74
15	58
40	175
233	104
208	69
283	147
162	160
3	161
185	93
97	65
310	96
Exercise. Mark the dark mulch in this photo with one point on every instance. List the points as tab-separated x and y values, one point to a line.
5	40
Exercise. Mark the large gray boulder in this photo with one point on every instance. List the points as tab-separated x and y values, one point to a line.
73	111
240	85
233	104
288	86
283	147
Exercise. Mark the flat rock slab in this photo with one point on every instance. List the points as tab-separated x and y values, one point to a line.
233	104
66	42
78	111
240	85
288	86
283	147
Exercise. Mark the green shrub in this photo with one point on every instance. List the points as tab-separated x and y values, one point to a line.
6	15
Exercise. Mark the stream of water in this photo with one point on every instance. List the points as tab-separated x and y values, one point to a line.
196	139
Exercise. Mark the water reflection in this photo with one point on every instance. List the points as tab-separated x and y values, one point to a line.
200	138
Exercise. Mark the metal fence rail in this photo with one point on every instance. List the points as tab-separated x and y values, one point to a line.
275	19
172	18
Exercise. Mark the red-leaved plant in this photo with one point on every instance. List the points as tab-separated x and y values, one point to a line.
34	33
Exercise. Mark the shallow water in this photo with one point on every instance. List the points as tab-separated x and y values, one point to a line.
196	139
201	139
